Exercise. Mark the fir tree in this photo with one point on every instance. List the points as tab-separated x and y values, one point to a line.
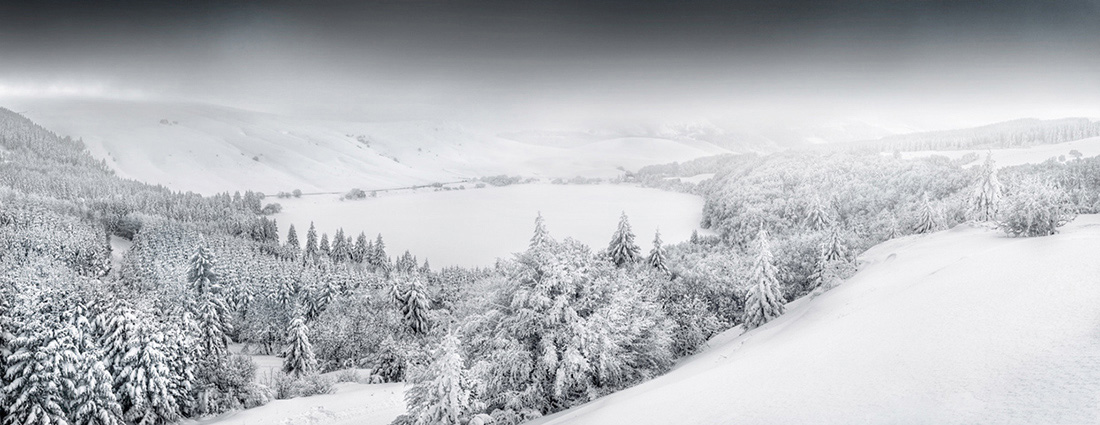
210	309
764	301
657	254
622	249
359	253
339	247
292	240
835	248
311	240
323	247
440	394
37	383
298	358
927	220
988	193
415	308
817	215
201	275
143	382
541	236
380	261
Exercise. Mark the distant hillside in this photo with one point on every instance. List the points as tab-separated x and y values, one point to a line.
1009	134
210	149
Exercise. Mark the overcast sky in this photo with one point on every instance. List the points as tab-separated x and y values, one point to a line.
566	61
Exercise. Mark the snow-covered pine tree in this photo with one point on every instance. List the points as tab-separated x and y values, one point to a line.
292	240
765	300
143	382
311	240
835	248
817	215
323	247
928	220
426	268
657	258
210	309
440	394
380	260
201	275
987	195
415	307
93	400
359	252
622	249
541	236
298	357
37	385
339	247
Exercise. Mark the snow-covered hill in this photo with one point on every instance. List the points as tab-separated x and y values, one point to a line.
961	326
1016	156
208	149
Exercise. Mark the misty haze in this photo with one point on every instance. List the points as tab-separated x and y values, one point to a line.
473	212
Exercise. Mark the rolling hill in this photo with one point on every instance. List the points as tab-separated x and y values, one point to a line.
208	149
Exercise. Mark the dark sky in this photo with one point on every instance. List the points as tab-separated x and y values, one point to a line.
565	60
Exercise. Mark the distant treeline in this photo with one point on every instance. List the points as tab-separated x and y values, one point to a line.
1009	134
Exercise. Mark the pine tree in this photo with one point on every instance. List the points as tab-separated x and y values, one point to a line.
359	253
440	394
380	260
143	382
835	249
817	215
311	240
292	240
415	307
339	247
37	383
210	309
988	193
323	247
201	275
928	220
93	400
298	358
764	301
541	236
622	249
657	254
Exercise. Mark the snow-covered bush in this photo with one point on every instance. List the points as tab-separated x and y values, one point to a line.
1035	207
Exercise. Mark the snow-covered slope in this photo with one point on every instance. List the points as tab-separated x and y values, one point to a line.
961	326
208	149
349	404
1030	155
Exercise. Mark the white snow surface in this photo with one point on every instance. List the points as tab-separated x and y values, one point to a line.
210	149
349	404
958	327
474	227
1018	156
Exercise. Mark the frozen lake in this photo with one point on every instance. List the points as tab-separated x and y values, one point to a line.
474	227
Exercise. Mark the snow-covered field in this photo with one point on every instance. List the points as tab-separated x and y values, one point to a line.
961	326
473	227
349	404
210	149
1030	155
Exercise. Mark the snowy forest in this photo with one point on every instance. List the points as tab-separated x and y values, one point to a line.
92	337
